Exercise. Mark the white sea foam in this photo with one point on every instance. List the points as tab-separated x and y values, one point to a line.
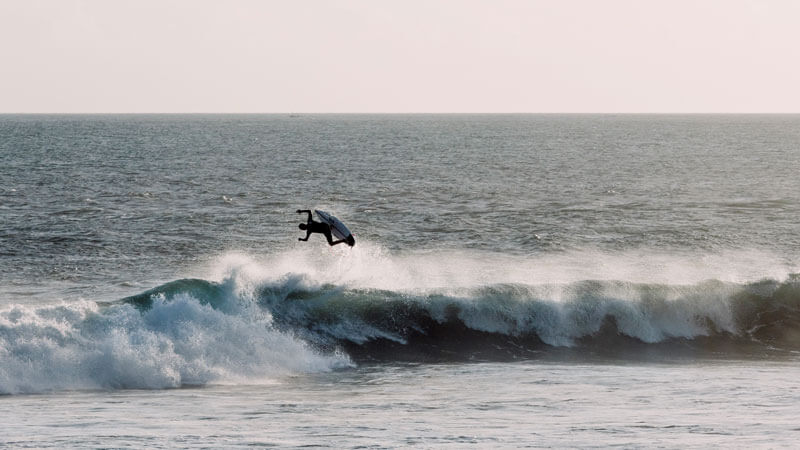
173	343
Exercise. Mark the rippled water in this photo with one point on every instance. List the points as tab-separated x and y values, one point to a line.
517	280
686	405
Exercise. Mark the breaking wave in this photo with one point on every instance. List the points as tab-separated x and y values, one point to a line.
250	320
181	339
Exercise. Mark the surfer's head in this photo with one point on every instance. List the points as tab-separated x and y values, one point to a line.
303	226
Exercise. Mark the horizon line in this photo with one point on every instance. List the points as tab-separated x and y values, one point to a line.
296	113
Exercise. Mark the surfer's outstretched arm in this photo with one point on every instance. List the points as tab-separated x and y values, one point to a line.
308	233
301	211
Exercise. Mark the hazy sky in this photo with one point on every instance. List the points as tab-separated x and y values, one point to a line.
400	56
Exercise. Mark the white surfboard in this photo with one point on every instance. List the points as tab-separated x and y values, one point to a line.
338	229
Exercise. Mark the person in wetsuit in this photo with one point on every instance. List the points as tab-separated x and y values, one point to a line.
312	226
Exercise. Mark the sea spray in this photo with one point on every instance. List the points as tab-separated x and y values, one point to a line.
372	266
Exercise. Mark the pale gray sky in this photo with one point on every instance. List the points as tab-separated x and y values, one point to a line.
400	56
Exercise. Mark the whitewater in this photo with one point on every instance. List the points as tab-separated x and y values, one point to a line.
520	280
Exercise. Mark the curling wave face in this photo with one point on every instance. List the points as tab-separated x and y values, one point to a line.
250	320
467	305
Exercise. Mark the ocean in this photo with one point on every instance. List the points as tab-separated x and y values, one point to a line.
517	281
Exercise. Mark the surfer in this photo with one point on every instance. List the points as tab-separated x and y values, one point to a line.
312	226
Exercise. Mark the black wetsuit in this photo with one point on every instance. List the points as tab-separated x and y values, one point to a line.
312	226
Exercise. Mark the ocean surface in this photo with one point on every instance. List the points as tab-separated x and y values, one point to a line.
517	281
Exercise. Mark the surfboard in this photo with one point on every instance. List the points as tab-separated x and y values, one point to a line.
338	229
